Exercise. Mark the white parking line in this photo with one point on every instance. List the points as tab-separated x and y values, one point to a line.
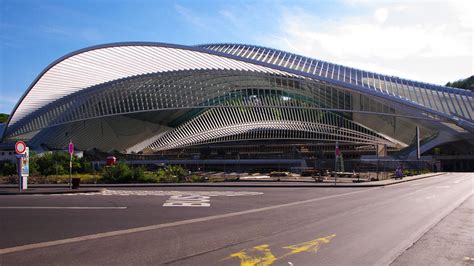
61	208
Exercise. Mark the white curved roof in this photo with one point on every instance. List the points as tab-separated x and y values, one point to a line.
96	65
103	64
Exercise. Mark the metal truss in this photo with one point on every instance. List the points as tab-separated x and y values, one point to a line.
184	90
223	124
457	103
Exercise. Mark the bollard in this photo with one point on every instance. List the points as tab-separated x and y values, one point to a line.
75	182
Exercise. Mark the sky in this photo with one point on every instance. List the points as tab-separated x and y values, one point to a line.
430	41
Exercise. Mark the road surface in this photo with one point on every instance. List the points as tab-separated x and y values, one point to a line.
228	226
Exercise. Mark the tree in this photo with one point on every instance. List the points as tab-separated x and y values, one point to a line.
3	118
467	83
56	163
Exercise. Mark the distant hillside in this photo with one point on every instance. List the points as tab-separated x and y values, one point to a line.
3	118
467	84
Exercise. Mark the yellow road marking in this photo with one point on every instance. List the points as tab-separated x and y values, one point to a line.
309	246
261	255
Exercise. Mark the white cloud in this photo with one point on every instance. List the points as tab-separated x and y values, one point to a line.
191	17
422	40
381	15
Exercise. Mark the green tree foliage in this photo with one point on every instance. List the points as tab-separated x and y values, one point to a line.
7	168
176	171
57	163
84	166
3	118
467	83
122	173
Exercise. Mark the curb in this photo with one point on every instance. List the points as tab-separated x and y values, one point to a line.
418	178
51	192
261	184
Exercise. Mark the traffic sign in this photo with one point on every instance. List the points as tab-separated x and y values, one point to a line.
71	147
20	147
25	163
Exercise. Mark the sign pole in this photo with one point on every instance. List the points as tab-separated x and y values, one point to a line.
71	151
20	177
336	158
70	171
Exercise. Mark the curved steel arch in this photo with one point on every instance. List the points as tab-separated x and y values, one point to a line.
269	123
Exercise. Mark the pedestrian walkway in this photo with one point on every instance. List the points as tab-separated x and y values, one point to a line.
447	243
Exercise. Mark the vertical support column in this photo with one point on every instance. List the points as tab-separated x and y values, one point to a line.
381	150
418	152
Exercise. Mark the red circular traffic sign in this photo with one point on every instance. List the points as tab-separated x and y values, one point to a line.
20	147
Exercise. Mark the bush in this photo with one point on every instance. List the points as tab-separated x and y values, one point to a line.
122	173
149	177
166	176
170	174
197	178
118	173
425	171
177	171
83	166
7	168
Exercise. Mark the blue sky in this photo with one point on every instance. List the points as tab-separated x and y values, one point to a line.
393	37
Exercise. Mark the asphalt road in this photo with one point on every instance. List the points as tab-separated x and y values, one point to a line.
228	226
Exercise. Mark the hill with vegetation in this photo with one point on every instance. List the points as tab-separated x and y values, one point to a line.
467	83
3	118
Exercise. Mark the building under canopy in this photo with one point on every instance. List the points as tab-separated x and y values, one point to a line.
154	97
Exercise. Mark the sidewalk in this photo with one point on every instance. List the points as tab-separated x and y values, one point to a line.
64	188
46	190
450	242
